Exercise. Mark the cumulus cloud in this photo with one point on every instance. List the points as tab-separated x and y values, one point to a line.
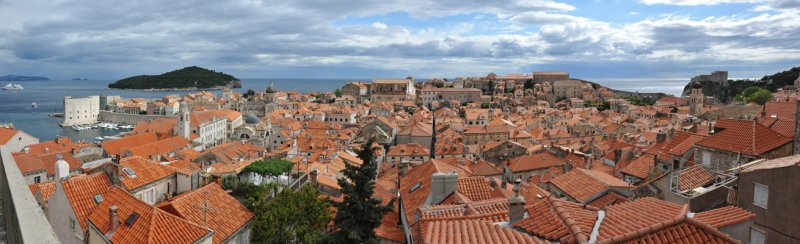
696	2
270	35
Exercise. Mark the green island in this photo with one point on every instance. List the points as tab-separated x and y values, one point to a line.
183	79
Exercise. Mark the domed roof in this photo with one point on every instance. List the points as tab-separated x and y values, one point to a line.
251	119
697	85
271	88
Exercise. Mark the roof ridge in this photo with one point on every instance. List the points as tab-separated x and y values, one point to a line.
567	220
682	216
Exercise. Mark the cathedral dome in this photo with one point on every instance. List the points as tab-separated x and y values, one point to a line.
697	85
252	119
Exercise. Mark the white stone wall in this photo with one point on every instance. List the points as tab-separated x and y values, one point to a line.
81	111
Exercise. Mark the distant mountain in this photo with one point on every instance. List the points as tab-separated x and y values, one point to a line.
21	78
183	79
726	94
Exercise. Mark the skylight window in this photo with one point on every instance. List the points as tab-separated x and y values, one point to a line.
98	198
130	172
415	187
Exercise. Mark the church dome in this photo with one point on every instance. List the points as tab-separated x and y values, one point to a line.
252	119
271	88
697	85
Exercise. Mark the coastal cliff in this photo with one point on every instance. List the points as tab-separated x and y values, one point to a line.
189	78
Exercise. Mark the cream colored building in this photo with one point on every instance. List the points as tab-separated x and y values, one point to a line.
81	111
568	88
392	90
429	95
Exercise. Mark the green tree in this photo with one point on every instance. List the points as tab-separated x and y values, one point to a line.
755	94
359	213
338	92
290	217
529	84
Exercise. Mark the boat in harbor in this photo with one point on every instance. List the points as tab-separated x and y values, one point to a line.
13	87
33	105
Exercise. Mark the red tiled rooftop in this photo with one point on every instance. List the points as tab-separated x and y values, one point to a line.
225	216
559	220
582	184
473	231
724	216
744	136
80	191
693	177
610	198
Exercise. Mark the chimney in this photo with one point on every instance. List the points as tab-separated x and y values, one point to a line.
516	209
313	175
442	185
661	136
403	168
113	219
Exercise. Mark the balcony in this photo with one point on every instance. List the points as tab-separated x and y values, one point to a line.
21	218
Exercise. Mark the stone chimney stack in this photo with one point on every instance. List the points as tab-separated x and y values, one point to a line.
516	209
313	176
442	185
661	136
113	218
403	167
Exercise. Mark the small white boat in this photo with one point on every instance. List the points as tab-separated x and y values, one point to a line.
13	87
33	105
126	127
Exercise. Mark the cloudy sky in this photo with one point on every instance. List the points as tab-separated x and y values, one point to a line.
378	38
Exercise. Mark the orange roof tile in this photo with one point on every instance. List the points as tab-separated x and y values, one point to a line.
537	161
46	189
29	163
624	218
473	231
80	191
640	167
6	134
693	177
160	147
224	215
119	146
744	136
559	220
582	184
724	216
145	171
610	198
152	225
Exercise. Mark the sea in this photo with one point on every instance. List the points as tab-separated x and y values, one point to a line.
16	106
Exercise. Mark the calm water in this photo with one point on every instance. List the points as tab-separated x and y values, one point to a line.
15	107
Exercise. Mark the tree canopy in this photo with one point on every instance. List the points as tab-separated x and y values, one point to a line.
290	217
269	167
359	213
755	94
189	77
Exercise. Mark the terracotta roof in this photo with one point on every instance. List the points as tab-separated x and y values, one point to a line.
693	177
610	198
744	136
46	189
162	126
473	231
775	163
152	225
494	210
582	184
537	161
80	191
419	179
785	127
785	110
224	215
119	146
624	218
145	171
476	188
160	147
416	129
30	163
683	230
640	167
559	220
412	149
6	134
724	216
